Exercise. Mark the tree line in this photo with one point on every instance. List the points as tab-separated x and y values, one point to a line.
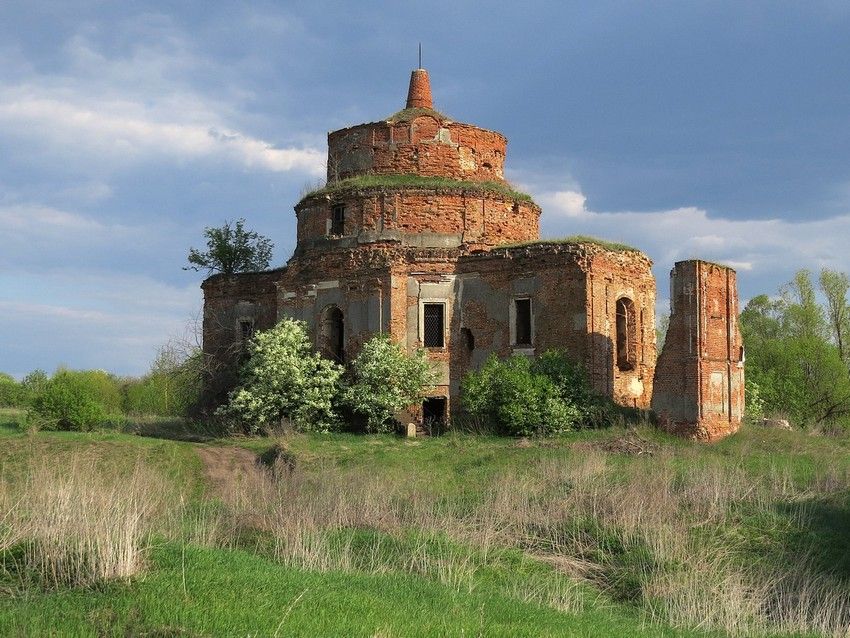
87	399
797	346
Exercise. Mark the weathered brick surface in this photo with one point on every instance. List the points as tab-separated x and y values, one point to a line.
429	145
699	380
419	91
472	217
405	246
228	300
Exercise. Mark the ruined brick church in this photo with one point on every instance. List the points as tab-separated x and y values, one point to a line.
417	234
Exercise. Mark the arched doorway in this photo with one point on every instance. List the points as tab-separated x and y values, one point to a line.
333	334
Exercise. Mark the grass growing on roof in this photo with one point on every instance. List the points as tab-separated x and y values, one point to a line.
574	239
406	115
417	181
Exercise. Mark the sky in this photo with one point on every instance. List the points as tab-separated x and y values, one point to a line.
710	129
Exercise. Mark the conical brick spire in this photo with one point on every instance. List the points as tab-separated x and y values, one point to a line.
419	93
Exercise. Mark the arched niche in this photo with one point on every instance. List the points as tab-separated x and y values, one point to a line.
332	334
626	335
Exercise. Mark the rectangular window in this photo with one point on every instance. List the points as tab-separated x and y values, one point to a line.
433	318
522	325
338	219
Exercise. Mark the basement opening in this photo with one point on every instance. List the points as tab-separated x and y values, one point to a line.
434	414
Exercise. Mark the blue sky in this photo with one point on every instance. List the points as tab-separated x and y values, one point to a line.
712	129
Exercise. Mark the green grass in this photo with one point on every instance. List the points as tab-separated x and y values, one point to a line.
391	182
246	588
201	592
108	450
578	240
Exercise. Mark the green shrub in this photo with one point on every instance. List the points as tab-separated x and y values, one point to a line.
384	380
35	383
171	388
12	393
285	380
522	396
71	401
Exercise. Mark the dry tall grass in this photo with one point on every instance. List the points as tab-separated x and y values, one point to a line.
676	530
77	526
663	532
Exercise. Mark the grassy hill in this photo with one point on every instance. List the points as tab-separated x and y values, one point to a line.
607	533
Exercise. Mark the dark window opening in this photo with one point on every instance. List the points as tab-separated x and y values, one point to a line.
522	328
434	414
333	335
246	330
338	219
468	338
627	346
433	315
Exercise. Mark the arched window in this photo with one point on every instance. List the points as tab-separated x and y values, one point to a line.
627	335
333	334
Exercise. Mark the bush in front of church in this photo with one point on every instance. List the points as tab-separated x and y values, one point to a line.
284	381
520	396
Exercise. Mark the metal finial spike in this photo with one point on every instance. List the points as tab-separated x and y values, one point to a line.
420	55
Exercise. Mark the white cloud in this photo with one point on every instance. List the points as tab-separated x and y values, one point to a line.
768	250
125	132
143	104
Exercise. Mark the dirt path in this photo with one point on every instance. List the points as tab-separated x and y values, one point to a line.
226	467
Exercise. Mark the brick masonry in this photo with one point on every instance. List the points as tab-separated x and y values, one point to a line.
474	248
699	381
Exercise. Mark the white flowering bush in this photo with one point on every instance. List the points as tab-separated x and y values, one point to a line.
385	379
284	379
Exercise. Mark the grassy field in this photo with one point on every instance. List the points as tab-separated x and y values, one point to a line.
607	533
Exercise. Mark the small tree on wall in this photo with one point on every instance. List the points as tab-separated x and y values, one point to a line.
232	249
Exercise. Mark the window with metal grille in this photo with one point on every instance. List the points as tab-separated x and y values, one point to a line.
338	219
522	326
433	317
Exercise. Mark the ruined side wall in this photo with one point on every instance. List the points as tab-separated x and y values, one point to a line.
229	300
426	145
573	289
413	216
699	379
612	276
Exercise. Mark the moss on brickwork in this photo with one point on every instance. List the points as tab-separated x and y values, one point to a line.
407	115
417	181
575	239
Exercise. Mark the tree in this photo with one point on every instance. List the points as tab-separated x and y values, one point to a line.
284	379
798	371
802	315
232	249
386	379
835	286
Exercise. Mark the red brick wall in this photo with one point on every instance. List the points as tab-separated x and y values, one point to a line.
426	145
699	380
227	300
483	218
